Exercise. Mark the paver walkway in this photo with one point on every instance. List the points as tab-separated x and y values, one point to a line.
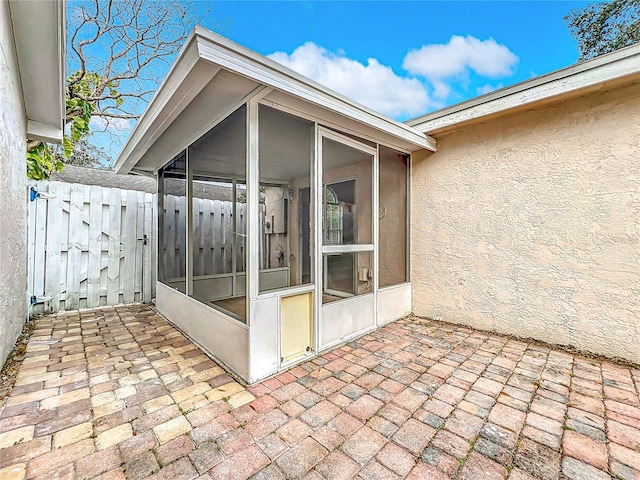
118	393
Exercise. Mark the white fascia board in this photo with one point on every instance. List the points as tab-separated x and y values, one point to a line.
240	60
203	56
570	80
44	132
195	133
39	29
186	78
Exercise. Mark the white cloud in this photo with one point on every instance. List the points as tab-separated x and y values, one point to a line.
103	124
441	89
373	85
486	58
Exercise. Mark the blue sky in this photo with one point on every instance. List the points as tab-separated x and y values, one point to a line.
533	37
405	59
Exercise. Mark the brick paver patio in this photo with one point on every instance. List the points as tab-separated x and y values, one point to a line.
118	393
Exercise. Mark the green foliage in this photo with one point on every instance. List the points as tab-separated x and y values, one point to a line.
119	52
605	27
42	159
79	108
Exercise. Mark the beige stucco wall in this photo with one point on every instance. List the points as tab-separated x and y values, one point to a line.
13	227
529	225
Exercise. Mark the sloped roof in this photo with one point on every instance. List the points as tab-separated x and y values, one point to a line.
213	76
103	177
619	67
107	178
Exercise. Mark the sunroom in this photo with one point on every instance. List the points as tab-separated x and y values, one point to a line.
282	208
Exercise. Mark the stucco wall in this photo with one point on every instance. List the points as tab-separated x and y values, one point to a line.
530	225
13	225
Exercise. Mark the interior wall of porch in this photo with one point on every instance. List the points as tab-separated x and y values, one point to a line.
362	174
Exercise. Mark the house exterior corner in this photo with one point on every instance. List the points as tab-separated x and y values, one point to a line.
528	224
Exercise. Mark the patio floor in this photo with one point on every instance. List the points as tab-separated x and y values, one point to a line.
119	393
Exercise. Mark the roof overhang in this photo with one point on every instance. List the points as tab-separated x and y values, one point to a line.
213	76
620	67
39	34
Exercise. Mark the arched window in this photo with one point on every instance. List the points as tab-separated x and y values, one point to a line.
333	212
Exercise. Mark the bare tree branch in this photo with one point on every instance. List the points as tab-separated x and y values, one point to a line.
130	116
118	52
128	44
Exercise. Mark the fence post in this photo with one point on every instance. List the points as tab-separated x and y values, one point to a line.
95	247
54	246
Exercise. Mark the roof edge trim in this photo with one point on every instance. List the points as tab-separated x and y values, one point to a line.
244	61
40	50
135	146
570	80
44	132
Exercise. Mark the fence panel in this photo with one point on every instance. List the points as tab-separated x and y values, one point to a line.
89	246
95	247
212	236
54	242
113	267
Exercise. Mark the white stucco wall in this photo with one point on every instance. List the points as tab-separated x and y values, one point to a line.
529	224
13	223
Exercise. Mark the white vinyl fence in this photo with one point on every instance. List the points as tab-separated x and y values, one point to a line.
213	236
89	246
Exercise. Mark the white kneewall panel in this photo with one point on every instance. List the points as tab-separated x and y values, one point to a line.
273	278
393	303
263	335
345	319
224	338
213	287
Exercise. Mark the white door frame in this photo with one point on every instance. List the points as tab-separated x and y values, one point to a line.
321	248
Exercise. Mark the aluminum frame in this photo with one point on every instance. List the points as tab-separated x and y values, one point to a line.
253	202
317	249
346	304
